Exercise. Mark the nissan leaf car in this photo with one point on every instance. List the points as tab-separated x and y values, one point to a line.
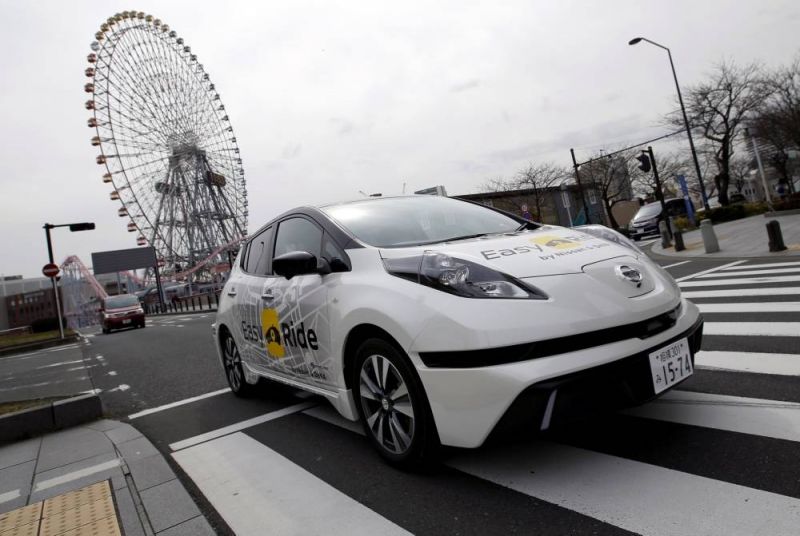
436	321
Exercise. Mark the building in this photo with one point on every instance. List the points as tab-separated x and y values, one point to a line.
23	301
560	205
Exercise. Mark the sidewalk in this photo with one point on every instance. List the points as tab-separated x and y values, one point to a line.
741	238
148	498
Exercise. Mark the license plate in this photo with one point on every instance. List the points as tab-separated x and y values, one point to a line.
670	364
126	321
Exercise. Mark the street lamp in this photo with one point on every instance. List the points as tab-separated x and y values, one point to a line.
637	40
73	227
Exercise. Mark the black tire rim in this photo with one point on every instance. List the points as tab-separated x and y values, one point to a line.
386	403
233	364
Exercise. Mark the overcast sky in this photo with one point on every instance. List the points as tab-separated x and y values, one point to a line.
329	98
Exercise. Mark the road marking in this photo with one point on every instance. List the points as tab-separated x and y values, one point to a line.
9	496
178	403
239	426
752	272
61	364
635	496
326	413
731	293
761	363
742	281
710	270
120	388
61	348
674	265
753	329
74	475
767	265
258	491
750	307
755	416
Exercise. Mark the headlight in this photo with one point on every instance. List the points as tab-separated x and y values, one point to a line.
460	277
601	231
139	311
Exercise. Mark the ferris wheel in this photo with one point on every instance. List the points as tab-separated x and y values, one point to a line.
166	143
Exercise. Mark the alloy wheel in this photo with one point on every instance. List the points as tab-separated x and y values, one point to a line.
233	364
387	404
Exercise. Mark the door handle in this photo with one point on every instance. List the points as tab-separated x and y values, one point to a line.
232	292
268	295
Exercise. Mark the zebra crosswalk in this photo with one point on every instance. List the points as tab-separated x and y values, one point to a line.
719	455
762	301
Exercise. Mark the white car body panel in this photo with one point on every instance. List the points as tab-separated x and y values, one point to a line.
569	266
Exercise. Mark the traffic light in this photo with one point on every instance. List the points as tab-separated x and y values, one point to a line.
644	162
87	226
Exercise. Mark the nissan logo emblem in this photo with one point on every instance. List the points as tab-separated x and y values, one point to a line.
631	275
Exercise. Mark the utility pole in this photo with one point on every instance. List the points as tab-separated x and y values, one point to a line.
760	169
580	186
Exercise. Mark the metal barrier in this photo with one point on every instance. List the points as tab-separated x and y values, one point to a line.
187	304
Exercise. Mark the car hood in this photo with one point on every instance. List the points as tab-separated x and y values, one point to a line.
548	250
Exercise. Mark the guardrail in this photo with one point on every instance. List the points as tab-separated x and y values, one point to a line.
186	304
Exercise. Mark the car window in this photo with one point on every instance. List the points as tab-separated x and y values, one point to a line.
257	262
122	300
298	234
330	250
651	210
406	221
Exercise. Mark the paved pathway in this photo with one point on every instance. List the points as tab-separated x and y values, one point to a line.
741	238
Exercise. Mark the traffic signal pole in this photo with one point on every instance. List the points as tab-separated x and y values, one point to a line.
580	187
659	191
47	227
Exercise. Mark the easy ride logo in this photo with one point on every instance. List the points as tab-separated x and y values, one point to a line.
276	336
556	242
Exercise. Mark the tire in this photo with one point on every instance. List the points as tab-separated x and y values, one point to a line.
106	331
232	362
392	405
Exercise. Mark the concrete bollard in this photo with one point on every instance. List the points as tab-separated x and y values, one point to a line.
709	238
678	236
775	236
665	240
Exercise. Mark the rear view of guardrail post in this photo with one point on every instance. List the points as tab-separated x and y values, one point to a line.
775	236
709	237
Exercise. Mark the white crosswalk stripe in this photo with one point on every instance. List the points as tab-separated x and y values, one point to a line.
750	309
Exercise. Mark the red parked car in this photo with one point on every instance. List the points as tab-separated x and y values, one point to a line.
121	311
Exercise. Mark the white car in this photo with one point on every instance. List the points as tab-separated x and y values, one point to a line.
436	321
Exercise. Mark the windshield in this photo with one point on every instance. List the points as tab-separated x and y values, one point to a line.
118	302
648	211
410	221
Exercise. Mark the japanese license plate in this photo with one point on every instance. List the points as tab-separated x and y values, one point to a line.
670	364
126	321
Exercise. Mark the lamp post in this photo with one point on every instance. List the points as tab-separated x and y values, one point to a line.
637	40
73	227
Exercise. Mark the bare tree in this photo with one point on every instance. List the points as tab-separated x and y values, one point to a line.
717	109
669	166
610	177
537	179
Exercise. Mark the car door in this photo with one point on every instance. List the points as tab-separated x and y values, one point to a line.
248	285
295	318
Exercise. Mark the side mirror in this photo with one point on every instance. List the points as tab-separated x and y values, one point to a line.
295	263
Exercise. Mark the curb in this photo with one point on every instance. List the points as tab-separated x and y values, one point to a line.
780	213
38	345
50	417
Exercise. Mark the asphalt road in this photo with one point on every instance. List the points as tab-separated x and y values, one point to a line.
718	455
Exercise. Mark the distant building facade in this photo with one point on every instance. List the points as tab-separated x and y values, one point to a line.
25	300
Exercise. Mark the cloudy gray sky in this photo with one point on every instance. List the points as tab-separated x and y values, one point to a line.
329	98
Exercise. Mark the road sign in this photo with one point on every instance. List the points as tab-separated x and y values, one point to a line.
50	270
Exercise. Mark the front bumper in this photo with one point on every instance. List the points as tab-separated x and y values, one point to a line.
468	404
124	321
